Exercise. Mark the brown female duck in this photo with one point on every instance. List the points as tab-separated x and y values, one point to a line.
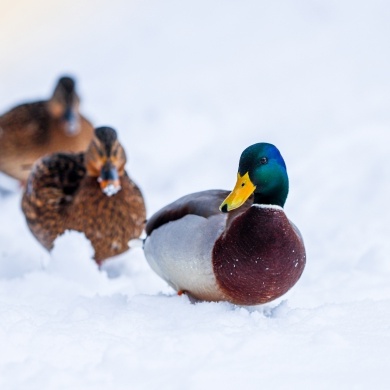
248	256
32	130
88	192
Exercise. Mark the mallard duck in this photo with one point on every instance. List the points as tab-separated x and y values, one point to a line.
236	247
32	130
88	192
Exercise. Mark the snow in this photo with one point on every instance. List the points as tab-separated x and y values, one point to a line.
189	85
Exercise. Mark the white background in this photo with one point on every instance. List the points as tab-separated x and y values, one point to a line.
188	85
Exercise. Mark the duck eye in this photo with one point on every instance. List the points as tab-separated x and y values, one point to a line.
263	160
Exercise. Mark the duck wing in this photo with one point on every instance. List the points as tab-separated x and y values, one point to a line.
51	187
25	125
204	204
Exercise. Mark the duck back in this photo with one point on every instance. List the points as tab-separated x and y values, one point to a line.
29	132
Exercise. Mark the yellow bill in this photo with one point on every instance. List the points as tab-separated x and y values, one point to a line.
243	189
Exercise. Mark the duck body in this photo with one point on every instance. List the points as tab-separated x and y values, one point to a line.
260	263
32	130
249	254
250	257
61	195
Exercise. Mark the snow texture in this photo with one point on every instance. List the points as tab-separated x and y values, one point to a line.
189	85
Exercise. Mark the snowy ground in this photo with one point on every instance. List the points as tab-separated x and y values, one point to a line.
189	85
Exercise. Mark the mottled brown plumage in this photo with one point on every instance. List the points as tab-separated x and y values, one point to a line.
88	192
32	130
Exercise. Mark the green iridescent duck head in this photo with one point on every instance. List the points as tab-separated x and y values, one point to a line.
261	171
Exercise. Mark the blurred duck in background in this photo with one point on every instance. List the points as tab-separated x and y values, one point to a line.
32	130
88	192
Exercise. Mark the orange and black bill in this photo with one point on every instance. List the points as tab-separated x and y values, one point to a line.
109	179
71	121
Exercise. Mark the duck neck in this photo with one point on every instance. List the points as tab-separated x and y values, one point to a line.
270	199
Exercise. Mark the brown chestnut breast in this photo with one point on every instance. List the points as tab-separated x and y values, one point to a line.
260	256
